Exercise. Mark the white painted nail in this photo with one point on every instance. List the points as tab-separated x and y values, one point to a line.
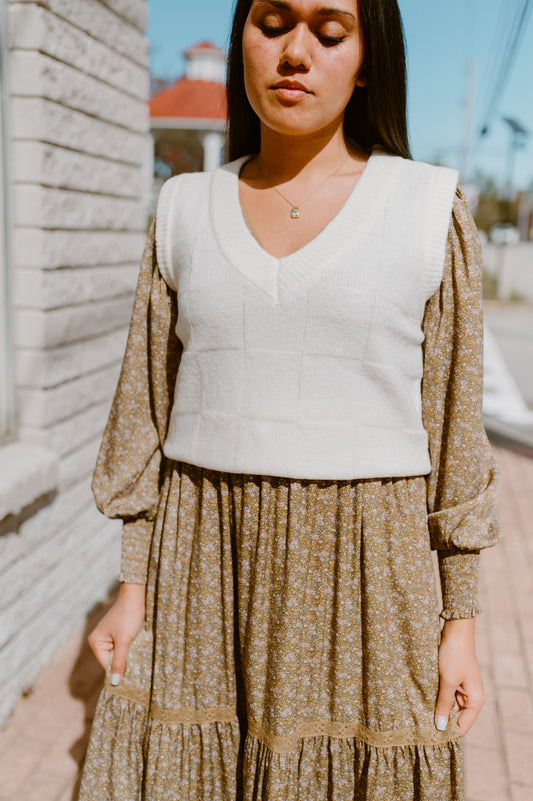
441	722
115	678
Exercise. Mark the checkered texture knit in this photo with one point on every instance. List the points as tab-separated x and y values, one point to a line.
308	366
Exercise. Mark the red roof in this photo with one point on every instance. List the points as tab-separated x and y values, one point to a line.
203	46
190	99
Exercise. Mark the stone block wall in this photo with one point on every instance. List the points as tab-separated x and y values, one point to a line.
78	87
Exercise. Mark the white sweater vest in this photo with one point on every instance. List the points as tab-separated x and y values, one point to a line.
308	366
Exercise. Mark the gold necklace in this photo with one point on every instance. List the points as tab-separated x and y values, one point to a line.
295	209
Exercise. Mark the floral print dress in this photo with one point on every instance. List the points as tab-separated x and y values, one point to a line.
290	645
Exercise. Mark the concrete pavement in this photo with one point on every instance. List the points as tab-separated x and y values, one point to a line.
43	744
511	324
508	400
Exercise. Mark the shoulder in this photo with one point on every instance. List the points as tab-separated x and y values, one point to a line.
413	169
440	181
179	199
194	186
461	285
462	216
195	182
429	191
464	245
423	190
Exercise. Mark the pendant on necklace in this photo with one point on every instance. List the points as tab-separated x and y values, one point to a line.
295	212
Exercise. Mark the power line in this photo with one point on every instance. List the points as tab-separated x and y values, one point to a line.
507	61
503	69
502	32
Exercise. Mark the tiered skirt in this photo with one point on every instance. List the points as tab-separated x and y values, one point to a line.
289	652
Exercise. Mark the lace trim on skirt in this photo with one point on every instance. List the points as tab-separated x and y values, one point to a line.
286	743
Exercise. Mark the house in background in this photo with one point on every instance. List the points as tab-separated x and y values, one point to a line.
188	118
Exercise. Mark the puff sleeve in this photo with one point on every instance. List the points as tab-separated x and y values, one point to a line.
463	481
126	481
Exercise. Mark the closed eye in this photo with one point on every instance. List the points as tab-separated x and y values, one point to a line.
331	41
268	30
327	41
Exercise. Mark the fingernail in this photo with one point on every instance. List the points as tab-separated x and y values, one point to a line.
115	678
441	722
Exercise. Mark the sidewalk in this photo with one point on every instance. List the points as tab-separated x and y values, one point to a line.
44	741
510	323
508	379
512	326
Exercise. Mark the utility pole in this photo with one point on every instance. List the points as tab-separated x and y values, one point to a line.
468	117
518	136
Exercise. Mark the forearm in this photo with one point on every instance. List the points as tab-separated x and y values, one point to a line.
461	626
128	590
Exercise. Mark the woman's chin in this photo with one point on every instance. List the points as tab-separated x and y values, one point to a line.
297	125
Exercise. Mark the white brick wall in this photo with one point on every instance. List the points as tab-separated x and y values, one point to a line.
79	123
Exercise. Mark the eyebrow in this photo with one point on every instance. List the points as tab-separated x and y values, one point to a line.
323	12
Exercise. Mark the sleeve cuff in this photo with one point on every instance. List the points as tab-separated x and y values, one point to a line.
459	579
470	525
135	550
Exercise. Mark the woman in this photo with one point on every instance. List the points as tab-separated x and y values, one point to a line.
276	633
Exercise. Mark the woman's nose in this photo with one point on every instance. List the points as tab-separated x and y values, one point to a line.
296	51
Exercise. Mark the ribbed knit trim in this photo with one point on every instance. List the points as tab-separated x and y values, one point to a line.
165	206
283	278
437	227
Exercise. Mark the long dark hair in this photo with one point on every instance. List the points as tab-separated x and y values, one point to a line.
376	114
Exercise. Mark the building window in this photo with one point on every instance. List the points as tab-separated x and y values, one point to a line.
7	421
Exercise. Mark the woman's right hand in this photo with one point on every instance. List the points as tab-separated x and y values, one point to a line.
118	628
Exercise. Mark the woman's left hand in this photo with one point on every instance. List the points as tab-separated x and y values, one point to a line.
461	684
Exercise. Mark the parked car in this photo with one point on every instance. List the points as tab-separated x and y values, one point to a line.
504	234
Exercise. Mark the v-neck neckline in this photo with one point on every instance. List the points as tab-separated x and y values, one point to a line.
283	278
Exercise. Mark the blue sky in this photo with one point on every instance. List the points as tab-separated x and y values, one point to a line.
441	39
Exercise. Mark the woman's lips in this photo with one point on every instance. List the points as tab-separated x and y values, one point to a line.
290	91
289	94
